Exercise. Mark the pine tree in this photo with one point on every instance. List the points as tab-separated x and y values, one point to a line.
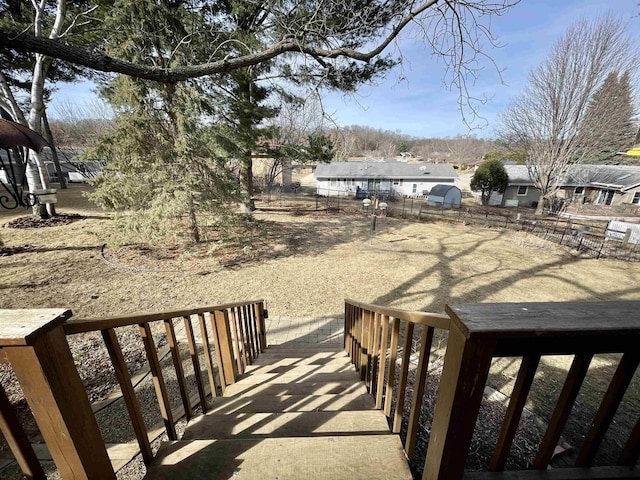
613	102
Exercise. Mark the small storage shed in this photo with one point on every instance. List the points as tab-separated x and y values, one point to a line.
445	196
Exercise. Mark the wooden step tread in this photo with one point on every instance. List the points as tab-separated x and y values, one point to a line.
291	424
300	371
293	403
353	385
299	376
320	458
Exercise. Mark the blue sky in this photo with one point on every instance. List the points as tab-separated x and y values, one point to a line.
419	104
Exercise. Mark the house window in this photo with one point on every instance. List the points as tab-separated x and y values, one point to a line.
605	197
414	189
523	190
578	191
636	198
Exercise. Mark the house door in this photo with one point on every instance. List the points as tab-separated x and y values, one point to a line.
606	197
370	185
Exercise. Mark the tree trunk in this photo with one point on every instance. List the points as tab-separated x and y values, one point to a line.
54	151
540	207
193	224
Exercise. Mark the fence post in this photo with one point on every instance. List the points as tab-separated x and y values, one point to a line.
37	349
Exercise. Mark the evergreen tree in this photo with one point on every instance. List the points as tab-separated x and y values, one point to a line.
613	101
490	177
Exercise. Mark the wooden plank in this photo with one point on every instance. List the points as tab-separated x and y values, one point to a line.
21	326
224	349
464	375
594	473
243	342
383	361
393	357
128	393
631	451
519	395
75	326
263	326
436	320
608	407
195	361
18	441
254	333
375	350
404	372
548	319
418	390
207	354
59	403
259	330
560	415
235	338
364	343
158	381
174	348
249	334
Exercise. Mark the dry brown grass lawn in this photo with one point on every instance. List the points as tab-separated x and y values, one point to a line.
306	265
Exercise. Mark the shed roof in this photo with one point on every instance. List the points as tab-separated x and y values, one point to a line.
390	169
622	177
441	190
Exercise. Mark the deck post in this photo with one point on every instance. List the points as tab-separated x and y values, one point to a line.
465	371
36	347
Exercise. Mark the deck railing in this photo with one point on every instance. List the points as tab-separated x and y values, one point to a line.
34	343
480	333
367	331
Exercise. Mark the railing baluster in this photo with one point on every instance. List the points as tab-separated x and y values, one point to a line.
393	357
158	381
610	402
193	352
128	393
364	345
404	371
243	343
262	334
370	346
345	337
631	451
254	331
235	335
383	360
560	415
375	354
207	354
224	351
519	395
248	333
18	441
174	348
418	389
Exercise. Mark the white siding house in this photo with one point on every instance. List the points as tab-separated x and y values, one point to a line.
389	176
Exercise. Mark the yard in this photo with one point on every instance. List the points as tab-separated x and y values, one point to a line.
305	264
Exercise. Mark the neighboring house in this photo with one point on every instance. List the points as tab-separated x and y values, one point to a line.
386	176
592	184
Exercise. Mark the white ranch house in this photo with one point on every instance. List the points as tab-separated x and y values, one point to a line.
390	176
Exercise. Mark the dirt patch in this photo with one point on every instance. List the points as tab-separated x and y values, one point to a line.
33	222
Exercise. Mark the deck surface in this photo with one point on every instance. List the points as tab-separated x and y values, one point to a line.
299	411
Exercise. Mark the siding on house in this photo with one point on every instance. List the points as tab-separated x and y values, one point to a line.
511	194
401	178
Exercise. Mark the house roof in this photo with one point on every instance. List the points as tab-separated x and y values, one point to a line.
388	169
617	177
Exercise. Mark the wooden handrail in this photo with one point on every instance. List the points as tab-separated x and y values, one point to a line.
436	320
478	334
32	338
84	325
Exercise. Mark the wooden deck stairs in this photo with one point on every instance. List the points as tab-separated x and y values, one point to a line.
300	411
